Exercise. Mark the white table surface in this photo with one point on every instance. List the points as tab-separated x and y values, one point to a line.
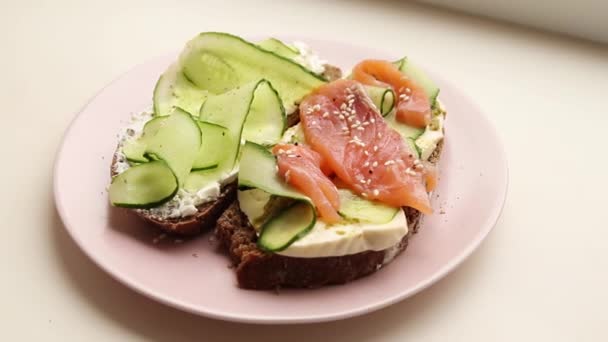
542	275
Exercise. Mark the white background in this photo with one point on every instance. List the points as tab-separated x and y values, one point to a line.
582	18
542	275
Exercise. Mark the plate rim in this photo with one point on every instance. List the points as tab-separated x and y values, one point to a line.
125	279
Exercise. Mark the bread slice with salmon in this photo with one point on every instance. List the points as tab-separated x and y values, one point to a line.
259	267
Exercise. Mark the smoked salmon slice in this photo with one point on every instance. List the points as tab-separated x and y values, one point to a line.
413	106
301	167
343	126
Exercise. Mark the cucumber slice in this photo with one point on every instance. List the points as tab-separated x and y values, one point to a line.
360	209
144	186
259	170
198	179
134	151
383	98
175	139
266	120
278	47
403	129
173	89
287	227
210	153
232	110
411	142
420	77
152	126
218	62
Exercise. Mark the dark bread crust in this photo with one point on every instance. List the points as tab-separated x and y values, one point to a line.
256	269
204	219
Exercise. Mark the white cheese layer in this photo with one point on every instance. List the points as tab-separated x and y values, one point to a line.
330	240
432	135
348	238
308	59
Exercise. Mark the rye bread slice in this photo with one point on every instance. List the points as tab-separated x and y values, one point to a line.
256	269
208	213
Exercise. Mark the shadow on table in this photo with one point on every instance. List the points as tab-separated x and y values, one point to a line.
157	322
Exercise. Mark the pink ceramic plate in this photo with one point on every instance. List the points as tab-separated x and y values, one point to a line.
194	275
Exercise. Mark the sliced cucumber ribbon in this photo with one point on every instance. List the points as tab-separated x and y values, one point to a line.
218	62
259	170
383	98
144	186
253	112
278	47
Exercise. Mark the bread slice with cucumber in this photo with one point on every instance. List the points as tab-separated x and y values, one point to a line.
176	166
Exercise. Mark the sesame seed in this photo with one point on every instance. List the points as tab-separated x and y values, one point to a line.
362	181
357	142
366	164
366	123
408	90
375	164
281	151
345	128
376	192
343	106
389	162
372	120
341	117
350	119
410	172
369	180
291	155
354	125
375	148
364	194
361	128
379	135
366	153
326	114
